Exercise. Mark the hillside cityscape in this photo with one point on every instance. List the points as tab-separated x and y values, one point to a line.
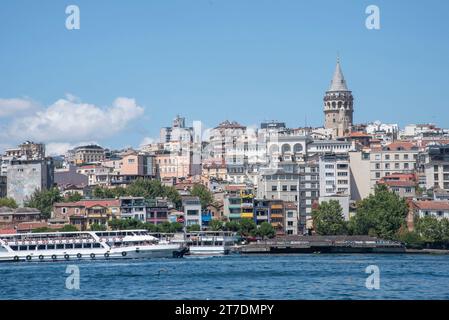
269	181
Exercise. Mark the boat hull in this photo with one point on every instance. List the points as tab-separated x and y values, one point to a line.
207	250
166	251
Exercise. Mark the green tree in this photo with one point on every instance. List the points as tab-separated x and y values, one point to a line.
202	192
68	228
8	202
43	200
43	229
216	225
381	214
98	227
445	230
173	195
247	227
193	227
176	227
266	230
109	193
411	239
328	219
232	226
73	197
430	229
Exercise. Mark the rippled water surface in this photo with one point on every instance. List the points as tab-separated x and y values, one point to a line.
233	277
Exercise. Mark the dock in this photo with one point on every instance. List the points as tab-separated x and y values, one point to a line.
322	244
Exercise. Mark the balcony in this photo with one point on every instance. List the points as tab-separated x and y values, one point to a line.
234	215
246	215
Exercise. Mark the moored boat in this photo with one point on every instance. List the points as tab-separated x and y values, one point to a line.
208	242
86	245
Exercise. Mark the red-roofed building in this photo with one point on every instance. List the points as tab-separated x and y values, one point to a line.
84	213
368	167
403	184
361	138
437	209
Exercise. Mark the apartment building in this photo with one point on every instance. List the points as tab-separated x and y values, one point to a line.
291	218
192	211
292	182
435	166
86	154
369	166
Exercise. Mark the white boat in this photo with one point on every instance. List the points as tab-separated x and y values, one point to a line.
209	242
86	245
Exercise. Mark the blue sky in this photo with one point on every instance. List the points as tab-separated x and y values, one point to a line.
211	60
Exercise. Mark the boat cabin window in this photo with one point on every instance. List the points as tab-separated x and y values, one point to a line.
97	245
33	247
50	247
22	248
59	246
41	247
15	248
87	245
69	246
78	245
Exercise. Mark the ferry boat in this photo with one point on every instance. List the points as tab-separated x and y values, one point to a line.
86	245
209	242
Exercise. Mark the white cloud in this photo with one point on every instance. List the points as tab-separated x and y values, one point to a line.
60	148
9	107
68	120
146	141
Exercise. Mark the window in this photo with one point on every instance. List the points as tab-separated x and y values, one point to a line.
387	166
377	175
378	166
396	165
396	157
284	188
64	210
293	188
405	156
274	188
387	157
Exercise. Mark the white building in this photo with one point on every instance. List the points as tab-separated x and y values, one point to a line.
334	175
192	211
437	209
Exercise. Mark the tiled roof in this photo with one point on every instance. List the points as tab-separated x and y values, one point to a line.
8	231
235	187
358	134
432	205
399	183
104	203
31	225
90	203
401	145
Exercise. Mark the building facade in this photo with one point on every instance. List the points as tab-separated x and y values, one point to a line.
24	177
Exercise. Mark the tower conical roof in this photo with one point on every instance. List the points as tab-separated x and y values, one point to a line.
338	81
